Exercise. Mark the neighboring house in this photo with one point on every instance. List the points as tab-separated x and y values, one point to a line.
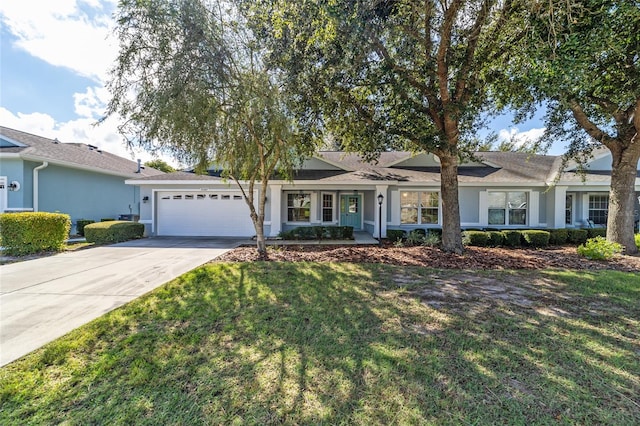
499	190
40	174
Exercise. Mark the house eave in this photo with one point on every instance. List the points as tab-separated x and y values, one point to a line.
76	166
139	182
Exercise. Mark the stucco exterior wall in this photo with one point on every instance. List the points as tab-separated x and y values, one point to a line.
85	195
14	170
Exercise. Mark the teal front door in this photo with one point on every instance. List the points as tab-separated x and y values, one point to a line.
350	211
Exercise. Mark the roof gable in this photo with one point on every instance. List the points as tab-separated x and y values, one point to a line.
427	159
321	163
9	143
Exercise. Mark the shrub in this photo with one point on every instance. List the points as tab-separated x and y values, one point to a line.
318	233
347	232
535	238
432	239
597	232
495	238
415	237
395	234
599	248
638	240
475	238
512	238
558	236
107	219
33	232
113	231
578	236
81	223
286	235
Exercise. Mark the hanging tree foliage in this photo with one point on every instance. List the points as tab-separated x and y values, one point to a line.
188	81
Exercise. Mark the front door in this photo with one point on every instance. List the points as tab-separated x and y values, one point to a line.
350	214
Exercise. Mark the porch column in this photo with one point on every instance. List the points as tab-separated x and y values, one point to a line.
559	206
381	219
275	200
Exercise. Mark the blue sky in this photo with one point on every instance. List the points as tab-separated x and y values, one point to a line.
54	62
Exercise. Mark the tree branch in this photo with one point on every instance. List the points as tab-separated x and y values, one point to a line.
589	126
446	31
472	44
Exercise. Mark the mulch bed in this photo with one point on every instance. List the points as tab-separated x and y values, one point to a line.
473	257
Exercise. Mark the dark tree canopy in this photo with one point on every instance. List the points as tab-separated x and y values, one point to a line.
582	58
161	165
408	74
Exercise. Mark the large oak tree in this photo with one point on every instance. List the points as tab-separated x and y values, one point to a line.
383	74
582	58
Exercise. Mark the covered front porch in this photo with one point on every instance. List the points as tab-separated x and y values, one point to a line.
365	208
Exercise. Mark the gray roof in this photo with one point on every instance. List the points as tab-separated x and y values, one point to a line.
507	168
38	148
499	167
181	176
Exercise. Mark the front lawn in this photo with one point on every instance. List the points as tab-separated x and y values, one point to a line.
310	343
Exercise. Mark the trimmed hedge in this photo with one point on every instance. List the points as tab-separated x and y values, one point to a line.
475	238
577	236
495	238
558	237
33	232
81	223
318	233
597	232
512	238
535	238
395	234
115	231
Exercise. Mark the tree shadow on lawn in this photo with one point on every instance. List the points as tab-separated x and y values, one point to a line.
268	343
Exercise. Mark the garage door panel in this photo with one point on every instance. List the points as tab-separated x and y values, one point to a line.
203	214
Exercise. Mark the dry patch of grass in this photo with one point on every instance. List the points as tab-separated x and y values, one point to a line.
310	343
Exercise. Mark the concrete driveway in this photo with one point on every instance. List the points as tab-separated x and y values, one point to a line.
43	299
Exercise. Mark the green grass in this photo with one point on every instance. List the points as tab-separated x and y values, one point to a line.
296	343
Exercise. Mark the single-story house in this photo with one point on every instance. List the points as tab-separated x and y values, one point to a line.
496	190
41	174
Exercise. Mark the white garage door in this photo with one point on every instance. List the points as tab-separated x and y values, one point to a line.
211	213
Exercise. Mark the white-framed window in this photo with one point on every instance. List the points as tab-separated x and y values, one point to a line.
299	207
568	209
598	208
328	204
419	207
508	208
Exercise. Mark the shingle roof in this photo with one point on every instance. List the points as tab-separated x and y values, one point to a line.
180	176
79	155
507	168
500	167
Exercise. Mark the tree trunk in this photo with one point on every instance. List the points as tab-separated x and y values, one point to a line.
258	222
261	244
451	233
622	199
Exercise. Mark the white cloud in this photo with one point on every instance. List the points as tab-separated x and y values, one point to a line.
75	34
521	138
91	103
82	130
